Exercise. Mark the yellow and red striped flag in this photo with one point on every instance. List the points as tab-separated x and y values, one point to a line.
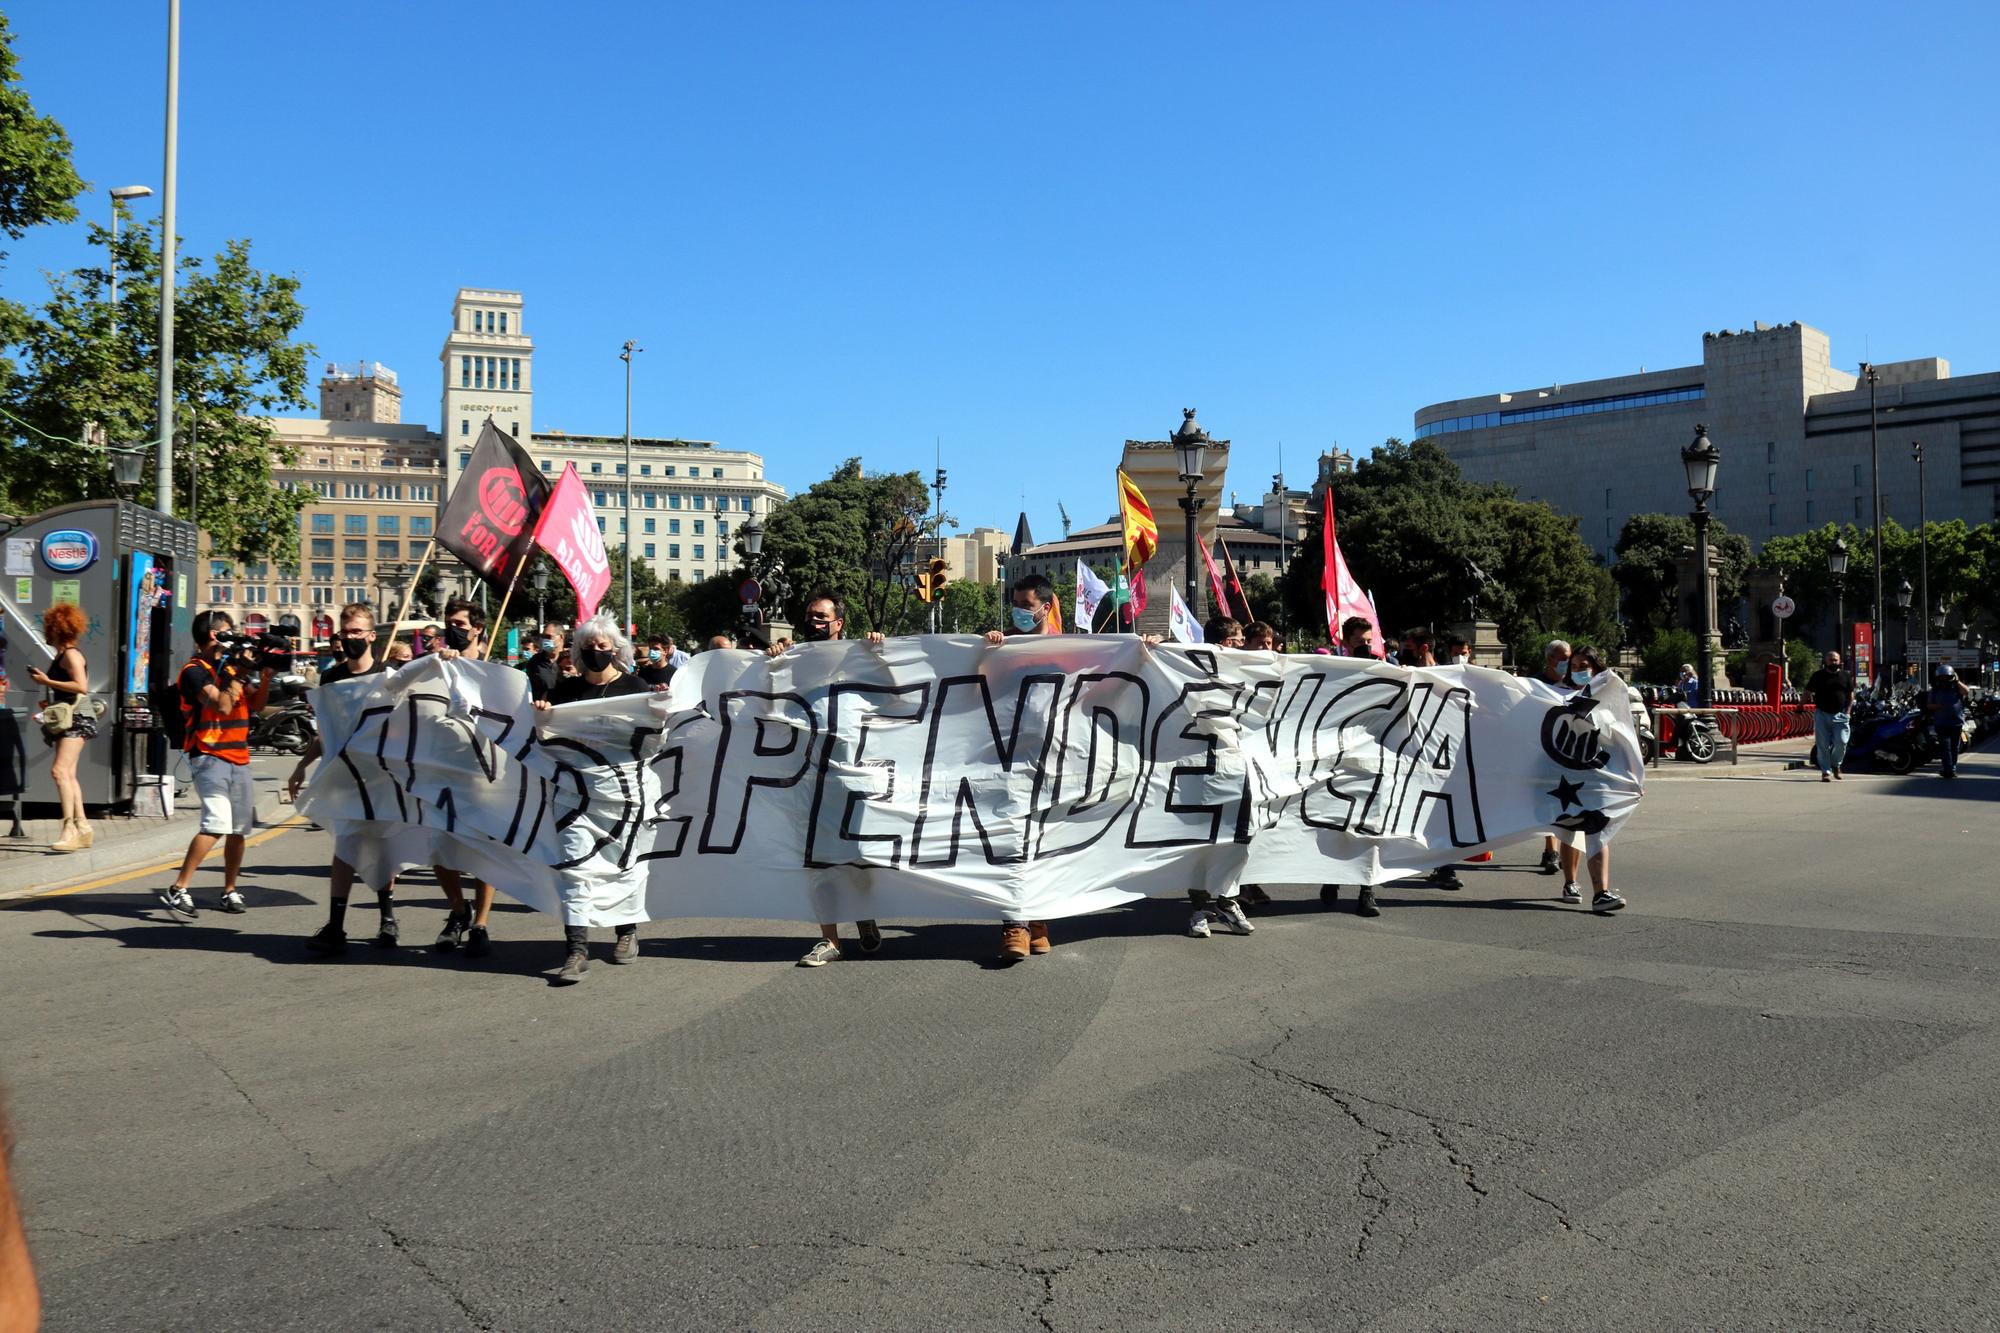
1142	534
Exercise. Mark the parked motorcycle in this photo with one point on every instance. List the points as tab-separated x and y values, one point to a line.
1884	734
287	728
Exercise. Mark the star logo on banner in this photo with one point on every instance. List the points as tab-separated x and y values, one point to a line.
1569	793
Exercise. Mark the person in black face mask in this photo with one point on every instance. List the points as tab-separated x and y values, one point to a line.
356	644
543	667
825	622
464	632
597	649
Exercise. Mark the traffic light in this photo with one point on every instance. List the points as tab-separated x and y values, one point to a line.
930	585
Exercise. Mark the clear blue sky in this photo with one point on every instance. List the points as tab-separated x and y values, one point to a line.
1036	229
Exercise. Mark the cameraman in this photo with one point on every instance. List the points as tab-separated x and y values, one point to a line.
216	703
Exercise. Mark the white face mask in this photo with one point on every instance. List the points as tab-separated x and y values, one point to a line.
1461	659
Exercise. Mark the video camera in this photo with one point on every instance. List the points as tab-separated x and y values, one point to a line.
254	652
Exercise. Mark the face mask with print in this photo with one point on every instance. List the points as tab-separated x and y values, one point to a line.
457	638
596	659
354	648
816	631
1024	619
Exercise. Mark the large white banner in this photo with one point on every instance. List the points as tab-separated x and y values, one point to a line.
939	777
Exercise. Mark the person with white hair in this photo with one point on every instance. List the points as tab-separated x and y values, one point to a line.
598	647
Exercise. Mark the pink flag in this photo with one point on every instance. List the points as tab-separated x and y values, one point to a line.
568	532
1344	597
1215	582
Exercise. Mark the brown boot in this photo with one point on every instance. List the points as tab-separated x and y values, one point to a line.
1038	937
70	841
1013	943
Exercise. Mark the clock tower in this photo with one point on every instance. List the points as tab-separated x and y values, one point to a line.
488	363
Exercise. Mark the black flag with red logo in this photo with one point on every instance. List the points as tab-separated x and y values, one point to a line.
489	518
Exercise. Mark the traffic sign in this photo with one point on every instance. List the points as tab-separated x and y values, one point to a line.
750	590
1783	606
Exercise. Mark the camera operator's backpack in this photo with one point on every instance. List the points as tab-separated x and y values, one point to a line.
172	710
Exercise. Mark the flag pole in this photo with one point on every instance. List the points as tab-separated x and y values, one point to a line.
486	648
410	593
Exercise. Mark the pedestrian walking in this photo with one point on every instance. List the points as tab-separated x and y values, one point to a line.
464	630
1946	704
219	689
1832	691
67	702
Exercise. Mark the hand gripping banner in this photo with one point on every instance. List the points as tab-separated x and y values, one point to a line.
941	778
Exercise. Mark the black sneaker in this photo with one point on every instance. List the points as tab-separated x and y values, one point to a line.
1605	902
453	933
871	935
331	939
387	934
478	943
1444	877
1365	904
1550	866
1329	895
1253	895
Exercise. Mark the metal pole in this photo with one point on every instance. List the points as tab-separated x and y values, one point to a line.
163	463
937	527
114	267
1193	536
626	357
1924	544
1875	471
1704	660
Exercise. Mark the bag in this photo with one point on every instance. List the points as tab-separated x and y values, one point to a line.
57	719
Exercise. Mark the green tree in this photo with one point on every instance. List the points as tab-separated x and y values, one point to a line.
855	535
234	364
1647	575
657	606
1265	598
38	180
973	608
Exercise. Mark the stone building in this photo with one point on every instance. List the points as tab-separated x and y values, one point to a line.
1792	427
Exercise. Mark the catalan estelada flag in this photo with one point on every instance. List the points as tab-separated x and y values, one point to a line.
1142	534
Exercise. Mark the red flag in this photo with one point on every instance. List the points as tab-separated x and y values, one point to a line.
1344	598
1216	585
568	532
1235	584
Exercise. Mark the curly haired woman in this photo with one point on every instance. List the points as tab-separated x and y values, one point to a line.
68	682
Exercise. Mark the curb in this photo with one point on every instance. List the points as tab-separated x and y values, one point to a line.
25	874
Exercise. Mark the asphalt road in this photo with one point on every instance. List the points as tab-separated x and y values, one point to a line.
1761	1097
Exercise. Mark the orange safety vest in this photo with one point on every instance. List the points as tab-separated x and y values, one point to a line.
224	735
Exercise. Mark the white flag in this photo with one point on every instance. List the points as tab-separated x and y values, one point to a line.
1180	621
1090	591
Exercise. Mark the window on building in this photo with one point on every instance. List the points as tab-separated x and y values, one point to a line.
258	571
1770	483
746	504
699	556
673	550
670	469
389	490
354	490
323	489
1857	506
716	472
1857	474
465	459
673	502
1771	516
464	428
597	469
517	372
354	523
465	372
652	500
219	594
351	595
600	525
649	550
515	429
322	546
479	326
388	525
388	550
288	597
322	596
722	527
598	497
322	522
645	469
503	321
673	576
701	502
649	525
699	527
674	526
479	372
289	573
322	573
1809	512
1607	497
420	525
354	573
1770	452
353	549
221	569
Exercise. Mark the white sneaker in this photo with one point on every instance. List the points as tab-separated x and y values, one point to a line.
178	901
233	902
826	951
1572	894
1198	926
1230	913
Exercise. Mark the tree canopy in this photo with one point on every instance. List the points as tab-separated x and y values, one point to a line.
854	535
1646	573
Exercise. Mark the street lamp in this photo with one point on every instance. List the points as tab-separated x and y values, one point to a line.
752	534
1875	474
1903	594
1924	544
626	357
119	196
1939	619
1191	444
1836	565
541	595
127	467
1701	459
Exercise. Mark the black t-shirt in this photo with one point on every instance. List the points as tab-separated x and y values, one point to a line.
1831	691
543	674
575	689
344	670
656	675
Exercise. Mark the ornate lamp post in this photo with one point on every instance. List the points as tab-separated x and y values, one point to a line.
1191	443
541	595
1903	594
1924	543
127	467
1875	474
1836	565
1701	459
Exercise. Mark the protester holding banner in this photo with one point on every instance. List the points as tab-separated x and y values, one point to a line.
216	699
1555	675
544	667
357	645
826	622
464	635
1223	632
1259	637
600	647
